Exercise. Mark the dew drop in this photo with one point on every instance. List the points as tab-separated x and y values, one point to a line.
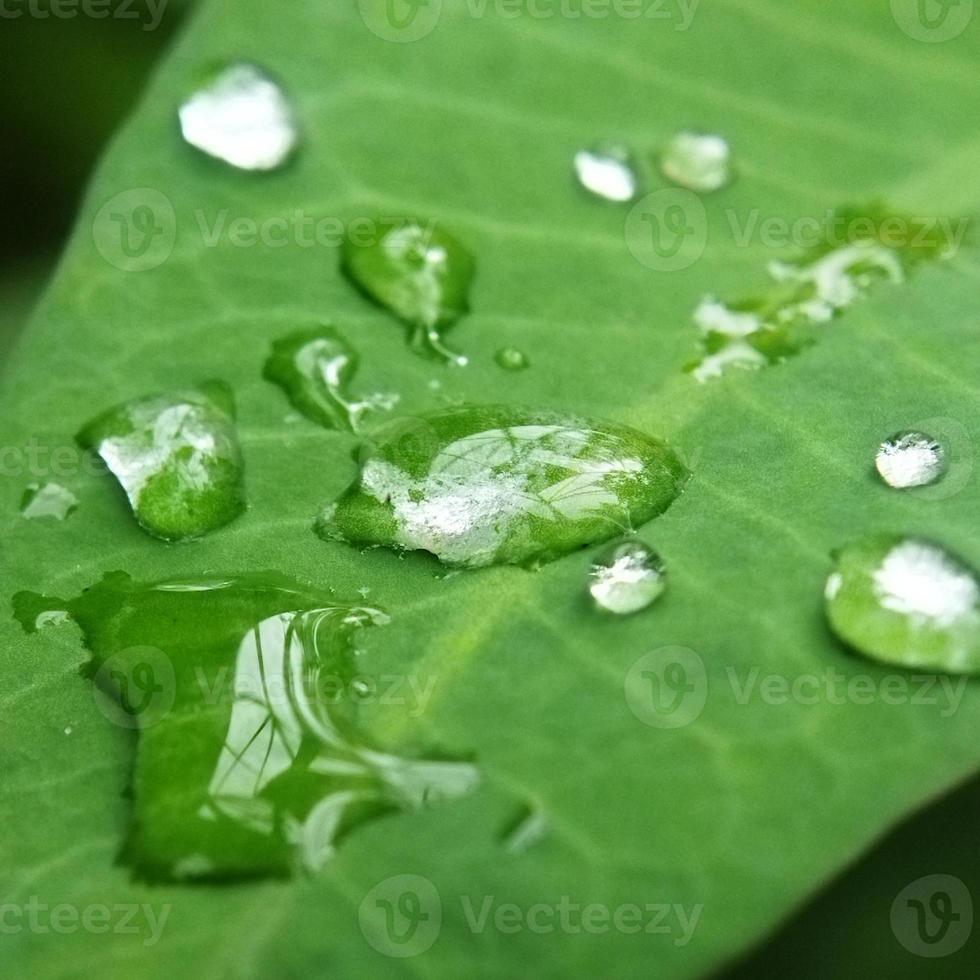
697	161
511	359
906	601
417	271
607	171
910	459
177	457
627	577
68	729
255	765
243	117
48	501
491	485
315	369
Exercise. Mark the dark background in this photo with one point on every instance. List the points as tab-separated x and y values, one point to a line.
67	83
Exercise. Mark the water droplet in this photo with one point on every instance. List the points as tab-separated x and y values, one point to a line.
906	601
910	459
257	763
858	251
417	271
49	500
627	577
68	729
241	116
511	359
495	485
529	826
315	369
177	457
698	162
607	171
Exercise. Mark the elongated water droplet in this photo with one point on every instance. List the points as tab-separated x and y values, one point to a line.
858	250
50	500
251	759
528	826
417	271
698	162
511	359
910	459
607	171
241	116
627	577
177	457
492	485
907	601
315	369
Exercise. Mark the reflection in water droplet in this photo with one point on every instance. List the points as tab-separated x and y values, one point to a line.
698	162
607	172
176	455
906	601
511	359
315	369
526	828
910	459
627	577
241	116
858	251
496	485
49	500
257	763
417	271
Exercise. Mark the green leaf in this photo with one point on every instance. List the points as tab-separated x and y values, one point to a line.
739	804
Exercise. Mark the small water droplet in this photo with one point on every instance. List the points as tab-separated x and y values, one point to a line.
910	459
607	171
528	826
627	577
49	500
699	162
243	117
315	369
420	273
68	729
494	485
256	765
177	457
906	601
511	359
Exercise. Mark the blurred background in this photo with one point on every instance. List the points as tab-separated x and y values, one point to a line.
68	84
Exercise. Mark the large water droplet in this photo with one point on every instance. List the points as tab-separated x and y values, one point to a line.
627	577
607	171
49	500
241	116
315	369
244	690
177	457
857	251
494	485
907	601
910	459
417	271
698	162
511	359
